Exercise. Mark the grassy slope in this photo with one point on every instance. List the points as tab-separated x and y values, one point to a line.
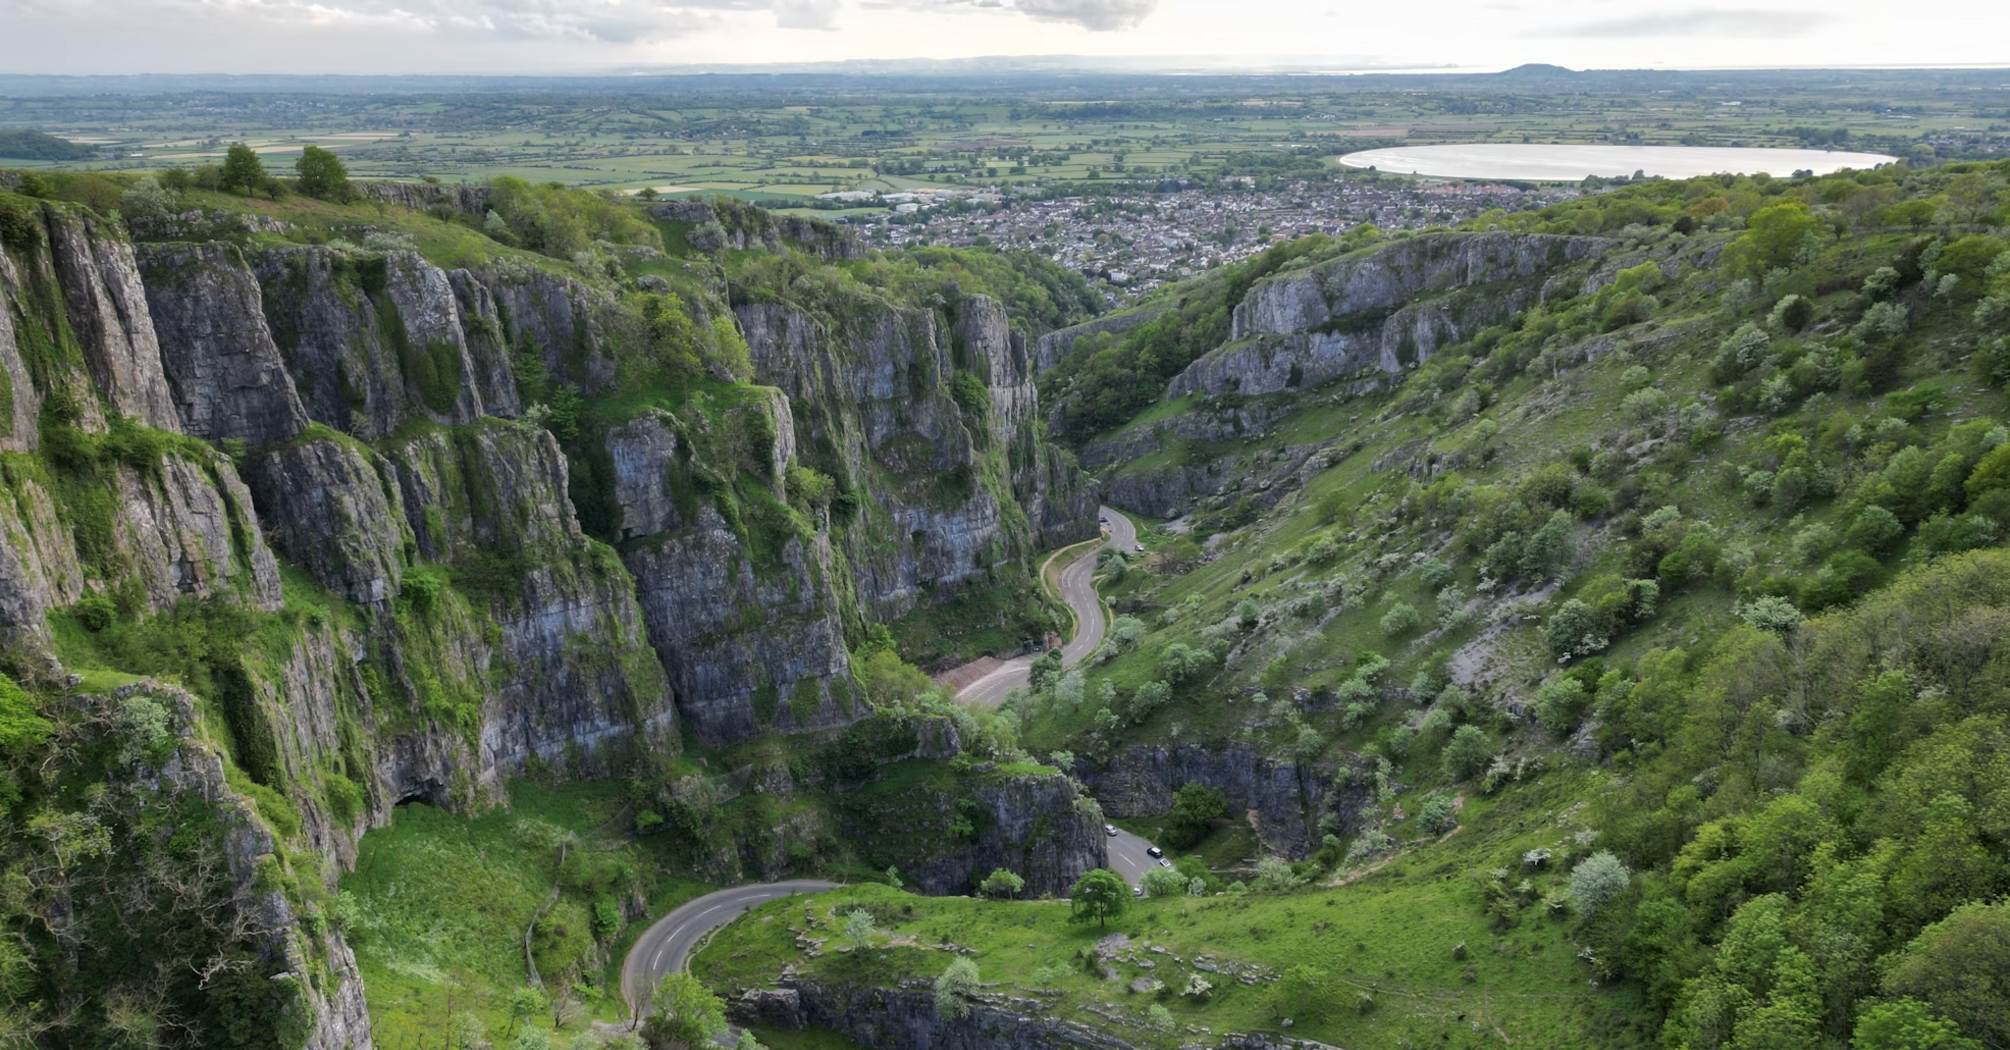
1391	934
438	905
1392	922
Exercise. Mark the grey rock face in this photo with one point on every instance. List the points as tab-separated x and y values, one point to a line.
425	196
1286	799
107	310
567	663
488	348
875	393
642	450
559	318
227	376
38	570
1058	344
372	341
904	1018
189	531
751	648
20	416
336	1015
329	511
1038	826
1357	312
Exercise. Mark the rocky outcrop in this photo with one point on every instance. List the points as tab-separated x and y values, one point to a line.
725	224
1058	344
1217	419
1387	308
947	836
330	511
426	196
560	321
186	529
327	1009
1284	800
228	379
107	310
872	398
371	341
904	1018
552	647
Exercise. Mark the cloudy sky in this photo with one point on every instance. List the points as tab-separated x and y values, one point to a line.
549	36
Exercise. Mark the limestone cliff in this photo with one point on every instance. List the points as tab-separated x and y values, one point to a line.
1385	308
181	420
1284	800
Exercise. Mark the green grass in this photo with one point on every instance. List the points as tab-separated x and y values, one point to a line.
438	905
1390	934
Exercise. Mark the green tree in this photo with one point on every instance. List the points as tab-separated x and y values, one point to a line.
1595	882
1467	752
1775	236
1907	1024
242	171
1164	882
1960	968
1099	895
523	1003
957	982
687	1013
1001	883
859	929
1195	806
21	728
323	176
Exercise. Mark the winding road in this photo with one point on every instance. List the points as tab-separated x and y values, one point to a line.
1078	588
667	944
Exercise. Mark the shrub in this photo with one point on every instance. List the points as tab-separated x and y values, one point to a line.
1792	313
958	980
1875	530
1770	612
1596	881
1559	703
1575	629
1401	619
1164	882
1436	815
1001	883
1467	752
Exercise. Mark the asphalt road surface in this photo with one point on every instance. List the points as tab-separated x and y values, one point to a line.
1128	857
664	947
1078	588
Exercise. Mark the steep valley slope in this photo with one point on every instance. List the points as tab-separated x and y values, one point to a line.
313	510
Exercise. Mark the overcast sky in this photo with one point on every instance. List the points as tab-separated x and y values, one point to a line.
544	36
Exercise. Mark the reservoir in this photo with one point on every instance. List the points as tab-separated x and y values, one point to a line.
1570	163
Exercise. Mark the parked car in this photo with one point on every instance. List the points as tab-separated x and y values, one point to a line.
1139	547
1137	891
1110	830
1155	851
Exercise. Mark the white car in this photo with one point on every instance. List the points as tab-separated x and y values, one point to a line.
1138	547
1110	830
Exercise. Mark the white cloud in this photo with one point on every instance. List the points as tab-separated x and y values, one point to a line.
1699	22
1096	15
807	14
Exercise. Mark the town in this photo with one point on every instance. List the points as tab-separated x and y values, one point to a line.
1133	243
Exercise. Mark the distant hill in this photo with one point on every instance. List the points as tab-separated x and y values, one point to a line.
25	144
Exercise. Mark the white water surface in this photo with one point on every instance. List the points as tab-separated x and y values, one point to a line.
1570	163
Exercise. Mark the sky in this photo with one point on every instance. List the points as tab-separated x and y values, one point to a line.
587	36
